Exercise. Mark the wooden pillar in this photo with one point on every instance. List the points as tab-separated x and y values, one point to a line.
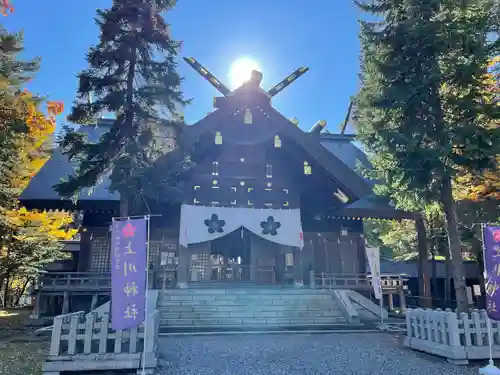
361	255
182	273
298	268
84	257
402	300
390	299
65	306
36	308
312	279
424	289
93	304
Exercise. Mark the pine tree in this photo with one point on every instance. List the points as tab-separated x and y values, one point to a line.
420	110
132	73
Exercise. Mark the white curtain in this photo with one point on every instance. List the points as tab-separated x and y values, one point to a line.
202	223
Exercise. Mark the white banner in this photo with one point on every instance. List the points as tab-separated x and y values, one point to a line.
373	255
203	223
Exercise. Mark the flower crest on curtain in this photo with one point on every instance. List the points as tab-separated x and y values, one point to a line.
203	223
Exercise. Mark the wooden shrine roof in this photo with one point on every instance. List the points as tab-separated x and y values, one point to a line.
337	154
59	167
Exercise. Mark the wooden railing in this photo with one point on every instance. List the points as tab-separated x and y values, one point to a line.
392	281
82	342
232	273
63	281
333	280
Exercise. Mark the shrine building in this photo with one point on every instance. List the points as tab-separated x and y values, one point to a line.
267	204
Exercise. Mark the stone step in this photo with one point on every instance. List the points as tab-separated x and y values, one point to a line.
247	291
272	321
338	327
245	307
243	297
248	314
274	301
250	307
238	308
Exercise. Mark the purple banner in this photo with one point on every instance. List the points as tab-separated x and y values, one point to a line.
128	272
492	264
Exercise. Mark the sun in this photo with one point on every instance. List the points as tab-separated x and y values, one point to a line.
241	70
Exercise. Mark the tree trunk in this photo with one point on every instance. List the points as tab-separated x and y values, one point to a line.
481	279
21	292
424	289
434	275
124	197
123	206
447	280
6	292
455	245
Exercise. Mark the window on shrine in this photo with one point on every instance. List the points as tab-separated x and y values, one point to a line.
269	171
215	168
100	261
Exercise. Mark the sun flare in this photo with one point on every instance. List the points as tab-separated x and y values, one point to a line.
241	70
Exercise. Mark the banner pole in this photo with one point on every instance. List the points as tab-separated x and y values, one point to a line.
148	226
490	368
381	303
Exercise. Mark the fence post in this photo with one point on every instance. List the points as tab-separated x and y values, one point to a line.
103	335
452	328
55	339
408	317
89	330
149	332
72	336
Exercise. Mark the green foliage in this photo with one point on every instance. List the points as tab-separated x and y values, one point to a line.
421	111
28	239
132	73
14	72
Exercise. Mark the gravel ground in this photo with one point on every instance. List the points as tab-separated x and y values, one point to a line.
304	354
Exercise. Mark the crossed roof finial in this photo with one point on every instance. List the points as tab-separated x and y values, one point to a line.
276	89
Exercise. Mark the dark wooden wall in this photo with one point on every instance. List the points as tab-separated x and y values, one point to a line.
248	175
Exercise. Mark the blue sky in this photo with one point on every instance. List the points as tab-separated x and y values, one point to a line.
281	35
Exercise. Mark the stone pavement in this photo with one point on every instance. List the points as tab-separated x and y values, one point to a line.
294	354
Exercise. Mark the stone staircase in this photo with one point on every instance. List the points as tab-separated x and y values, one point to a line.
250	308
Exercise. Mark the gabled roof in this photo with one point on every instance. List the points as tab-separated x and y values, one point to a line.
342	146
335	153
373	206
59	167
257	98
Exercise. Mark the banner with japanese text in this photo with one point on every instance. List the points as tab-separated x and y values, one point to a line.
492	269
373	255
128	272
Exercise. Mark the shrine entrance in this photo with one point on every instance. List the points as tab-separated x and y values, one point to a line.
226	259
238	258
230	257
238	245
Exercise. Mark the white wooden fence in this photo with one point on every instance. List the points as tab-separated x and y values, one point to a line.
457	337
86	342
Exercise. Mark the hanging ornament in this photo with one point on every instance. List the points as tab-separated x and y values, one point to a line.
307	169
218	138
277	141
248	118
